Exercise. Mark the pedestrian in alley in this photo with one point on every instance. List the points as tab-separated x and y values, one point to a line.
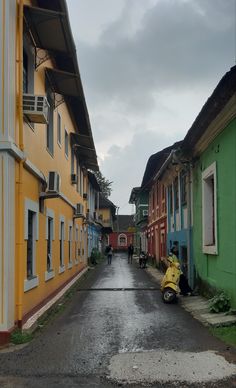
109	254
130	253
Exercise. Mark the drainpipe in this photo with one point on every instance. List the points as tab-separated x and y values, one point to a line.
189	225
19	182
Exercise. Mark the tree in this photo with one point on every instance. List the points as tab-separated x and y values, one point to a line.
105	184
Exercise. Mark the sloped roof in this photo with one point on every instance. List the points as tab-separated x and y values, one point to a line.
225	89
155	162
134	193
105	203
123	222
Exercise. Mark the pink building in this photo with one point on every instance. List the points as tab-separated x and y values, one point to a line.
123	233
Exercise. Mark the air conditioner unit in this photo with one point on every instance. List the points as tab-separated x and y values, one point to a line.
53	182
85	195
79	209
145	212
74	178
36	108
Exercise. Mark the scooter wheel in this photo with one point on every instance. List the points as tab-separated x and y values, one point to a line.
168	295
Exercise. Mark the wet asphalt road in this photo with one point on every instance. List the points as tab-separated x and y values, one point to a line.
101	321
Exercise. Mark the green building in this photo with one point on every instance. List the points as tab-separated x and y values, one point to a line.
211	146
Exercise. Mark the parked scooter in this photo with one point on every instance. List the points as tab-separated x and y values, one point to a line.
170	281
142	260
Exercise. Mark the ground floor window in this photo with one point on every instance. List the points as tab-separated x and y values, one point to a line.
70	243
30	245
62	238
209	222
31	236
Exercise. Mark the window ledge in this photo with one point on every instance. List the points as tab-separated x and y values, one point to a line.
70	265
210	249
61	269
49	275
31	283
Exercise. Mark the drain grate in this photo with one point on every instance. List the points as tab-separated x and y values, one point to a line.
120	289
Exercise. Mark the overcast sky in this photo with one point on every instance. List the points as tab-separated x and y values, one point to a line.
147	67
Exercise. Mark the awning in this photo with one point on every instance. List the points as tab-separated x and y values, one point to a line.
62	82
84	149
48	29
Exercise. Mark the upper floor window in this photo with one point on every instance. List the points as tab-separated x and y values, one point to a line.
50	126
66	144
59	128
28	65
184	189
171	199
176	193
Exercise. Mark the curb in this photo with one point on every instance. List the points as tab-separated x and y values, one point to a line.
198	307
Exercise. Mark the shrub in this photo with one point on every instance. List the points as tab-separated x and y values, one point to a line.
220	303
19	337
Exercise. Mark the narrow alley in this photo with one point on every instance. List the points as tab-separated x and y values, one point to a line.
117	330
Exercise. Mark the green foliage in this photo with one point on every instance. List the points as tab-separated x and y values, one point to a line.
220	303
96	256
19	337
105	184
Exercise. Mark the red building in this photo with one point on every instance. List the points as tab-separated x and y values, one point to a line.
123	233
157	214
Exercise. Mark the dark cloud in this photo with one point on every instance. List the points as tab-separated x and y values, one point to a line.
125	165
177	45
147	77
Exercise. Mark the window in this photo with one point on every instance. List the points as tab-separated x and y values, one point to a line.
31	236
28	65
62	238
30	245
78	175
209	222
176	193
72	161
76	244
122	240
70	245
171	199
50	137
49	273
81	181
59	129
49	243
66	144
184	189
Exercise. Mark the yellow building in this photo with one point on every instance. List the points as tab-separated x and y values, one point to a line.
46	149
106	216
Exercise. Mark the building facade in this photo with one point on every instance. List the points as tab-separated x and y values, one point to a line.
139	198
123	232
210	143
46	149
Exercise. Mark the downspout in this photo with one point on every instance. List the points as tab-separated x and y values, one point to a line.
19	182
189	225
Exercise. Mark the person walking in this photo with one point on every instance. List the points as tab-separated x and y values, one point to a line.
109	254
130	253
